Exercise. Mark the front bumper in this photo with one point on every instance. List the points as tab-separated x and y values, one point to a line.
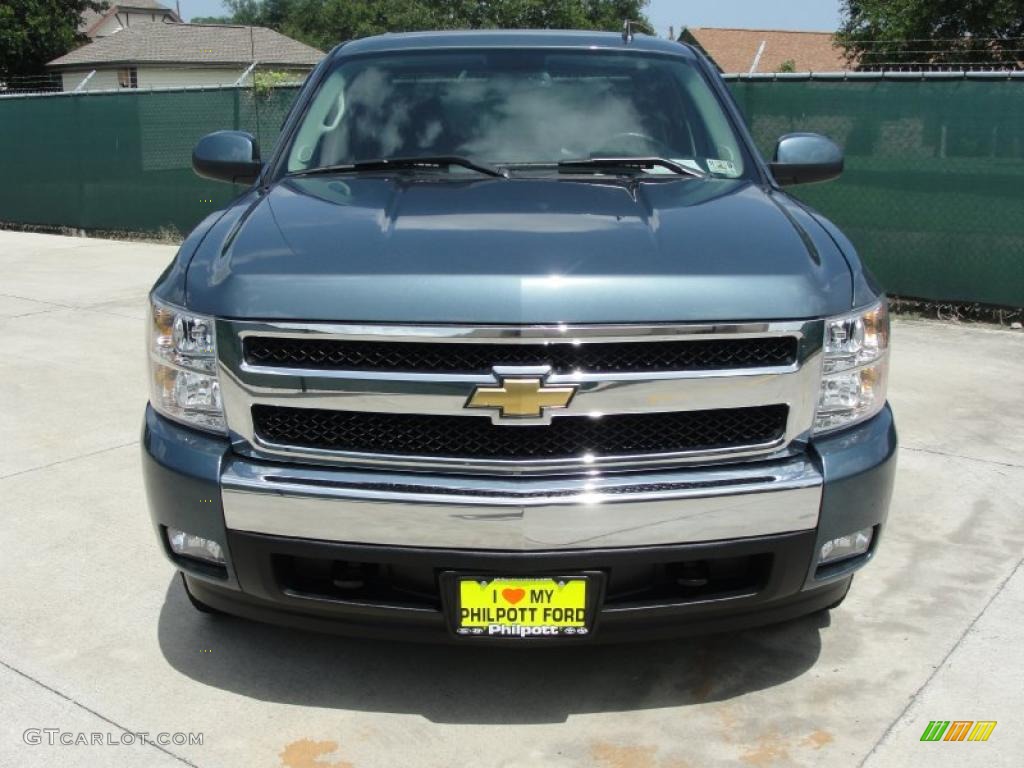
754	529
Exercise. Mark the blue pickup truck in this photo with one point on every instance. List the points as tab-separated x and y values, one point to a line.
514	337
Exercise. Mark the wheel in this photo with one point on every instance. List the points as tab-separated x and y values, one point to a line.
196	602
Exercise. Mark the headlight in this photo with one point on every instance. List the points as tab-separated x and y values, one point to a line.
183	367
855	370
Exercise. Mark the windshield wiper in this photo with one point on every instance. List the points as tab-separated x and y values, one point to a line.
641	163
399	163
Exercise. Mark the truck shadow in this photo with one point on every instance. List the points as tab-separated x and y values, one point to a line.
482	685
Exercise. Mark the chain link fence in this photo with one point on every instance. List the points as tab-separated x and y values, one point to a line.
933	195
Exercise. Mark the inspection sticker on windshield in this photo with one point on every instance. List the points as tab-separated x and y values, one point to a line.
724	167
498	607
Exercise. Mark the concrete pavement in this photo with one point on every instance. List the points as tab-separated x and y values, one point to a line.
98	637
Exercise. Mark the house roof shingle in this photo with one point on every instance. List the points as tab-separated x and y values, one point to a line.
146	5
91	17
167	43
734	50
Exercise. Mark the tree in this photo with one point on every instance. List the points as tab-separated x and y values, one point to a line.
324	23
261	13
933	34
33	32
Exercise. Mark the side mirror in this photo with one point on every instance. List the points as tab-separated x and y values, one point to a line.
801	158
232	156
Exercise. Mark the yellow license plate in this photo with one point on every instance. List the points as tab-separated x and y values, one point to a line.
506	607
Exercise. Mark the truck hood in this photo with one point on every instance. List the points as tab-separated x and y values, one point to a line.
524	251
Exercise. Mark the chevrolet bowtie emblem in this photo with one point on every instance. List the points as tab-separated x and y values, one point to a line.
521	398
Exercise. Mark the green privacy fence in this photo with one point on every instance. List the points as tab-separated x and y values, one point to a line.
122	160
933	192
933	195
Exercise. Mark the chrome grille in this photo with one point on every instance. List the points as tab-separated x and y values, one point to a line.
616	357
396	396
474	437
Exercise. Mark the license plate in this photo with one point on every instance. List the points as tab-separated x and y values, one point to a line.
523	607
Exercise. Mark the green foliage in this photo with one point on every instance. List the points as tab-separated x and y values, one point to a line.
263	13
933	33
33	32
789	65
323	23
265	81
212	20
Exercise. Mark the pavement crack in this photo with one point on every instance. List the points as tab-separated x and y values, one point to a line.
914	696
95	307
99	311
33	314
948	455
68	460
55	304
94	713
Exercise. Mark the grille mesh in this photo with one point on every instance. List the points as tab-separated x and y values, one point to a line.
476	437
598	357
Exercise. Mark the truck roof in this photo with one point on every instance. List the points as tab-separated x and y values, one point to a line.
504	38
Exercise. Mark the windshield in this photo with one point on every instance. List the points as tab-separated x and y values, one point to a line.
516	108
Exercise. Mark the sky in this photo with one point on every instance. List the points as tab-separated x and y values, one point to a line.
820	15
813	15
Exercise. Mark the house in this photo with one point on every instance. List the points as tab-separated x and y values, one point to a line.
118	16
173	55
767	50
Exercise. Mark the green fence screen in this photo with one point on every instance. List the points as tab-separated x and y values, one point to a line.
122	160
933	194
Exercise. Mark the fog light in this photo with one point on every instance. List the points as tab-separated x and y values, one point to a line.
190	545
846	546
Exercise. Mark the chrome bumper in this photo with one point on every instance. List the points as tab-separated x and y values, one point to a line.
407	509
